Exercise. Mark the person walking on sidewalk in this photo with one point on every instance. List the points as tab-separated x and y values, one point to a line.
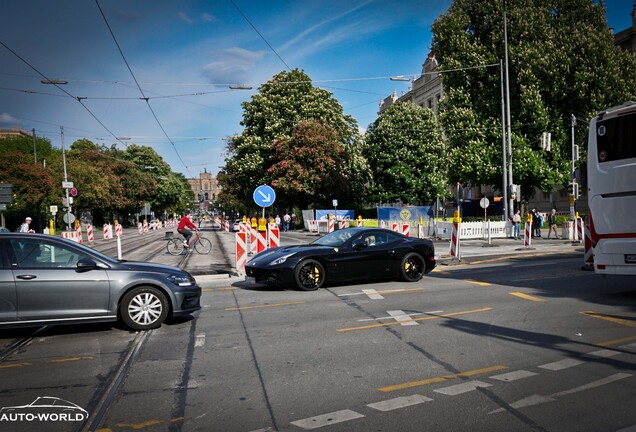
552	223
516	224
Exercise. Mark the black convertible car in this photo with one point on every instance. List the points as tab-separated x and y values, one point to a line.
352	254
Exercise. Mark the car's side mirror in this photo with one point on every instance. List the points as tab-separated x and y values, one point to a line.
358	244
86	264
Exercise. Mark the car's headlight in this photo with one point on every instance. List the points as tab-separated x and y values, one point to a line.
280	260
181	280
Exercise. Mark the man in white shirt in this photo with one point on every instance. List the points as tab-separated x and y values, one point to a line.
25	227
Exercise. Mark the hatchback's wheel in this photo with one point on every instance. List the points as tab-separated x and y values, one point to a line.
309	275
412	267
144	308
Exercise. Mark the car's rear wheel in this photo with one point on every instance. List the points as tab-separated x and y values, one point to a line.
412	267
309	275
144	308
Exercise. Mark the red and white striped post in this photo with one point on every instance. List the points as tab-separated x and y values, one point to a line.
253	241
527	237
119	231
108	232
140	228
89	233
395	227
343	224
80	238
273	235
261	241
241	250
406	230
579	229
588	256
454	244
332	225
145	226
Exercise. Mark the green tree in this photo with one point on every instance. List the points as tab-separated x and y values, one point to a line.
281	104
562	61
406	152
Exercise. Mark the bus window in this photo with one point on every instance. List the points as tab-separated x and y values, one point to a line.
615	138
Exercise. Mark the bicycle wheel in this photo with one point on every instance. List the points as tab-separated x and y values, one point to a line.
175	246
203	246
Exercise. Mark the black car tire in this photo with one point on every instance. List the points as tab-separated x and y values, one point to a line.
309	275
144	308
412	267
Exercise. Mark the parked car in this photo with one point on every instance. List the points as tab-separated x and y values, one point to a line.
51	280
352	254
236	226
4	230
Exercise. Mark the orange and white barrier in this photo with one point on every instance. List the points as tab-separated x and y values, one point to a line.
119	231
145	226
241	250
406	230
261	241
332	225
454	244
313	226
140	228
579	230
382	224
253	245
588	257
71	235
273	236
79	234
89	233
343	224
527	237
108	231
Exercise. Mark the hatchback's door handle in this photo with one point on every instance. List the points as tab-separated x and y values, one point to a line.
26	277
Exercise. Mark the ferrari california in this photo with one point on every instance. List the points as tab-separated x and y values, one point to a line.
352	254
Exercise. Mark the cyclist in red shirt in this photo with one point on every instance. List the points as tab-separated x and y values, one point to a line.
184	224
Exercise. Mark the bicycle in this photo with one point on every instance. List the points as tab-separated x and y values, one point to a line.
176	245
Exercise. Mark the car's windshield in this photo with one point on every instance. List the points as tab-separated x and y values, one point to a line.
336	238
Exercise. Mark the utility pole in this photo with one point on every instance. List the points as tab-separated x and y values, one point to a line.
68	204
503	142
508	126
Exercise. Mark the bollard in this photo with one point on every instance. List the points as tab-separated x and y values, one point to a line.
273	235
89	233
241	250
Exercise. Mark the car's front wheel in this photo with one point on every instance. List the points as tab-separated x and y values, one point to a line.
412	267
309	275
144	308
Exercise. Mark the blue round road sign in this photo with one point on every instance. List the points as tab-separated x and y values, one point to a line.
264	196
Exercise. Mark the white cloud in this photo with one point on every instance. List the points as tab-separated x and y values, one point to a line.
184	17
232	66
8	121
208	17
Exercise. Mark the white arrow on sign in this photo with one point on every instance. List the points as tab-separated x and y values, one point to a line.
266	198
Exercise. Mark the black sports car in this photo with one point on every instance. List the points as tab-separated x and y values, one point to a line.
345	255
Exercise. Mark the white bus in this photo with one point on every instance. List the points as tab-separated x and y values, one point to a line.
611	176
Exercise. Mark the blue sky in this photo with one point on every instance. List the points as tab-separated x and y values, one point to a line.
185	54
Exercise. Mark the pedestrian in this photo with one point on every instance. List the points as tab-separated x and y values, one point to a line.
286	220
536	221
552	222
278	222
182	228
516	222
292	222
25	227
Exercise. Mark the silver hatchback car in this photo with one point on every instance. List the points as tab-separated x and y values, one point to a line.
50	280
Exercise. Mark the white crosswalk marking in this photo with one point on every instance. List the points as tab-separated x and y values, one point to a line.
513	376
327	419
402	317
462	388
399	402
561	364
373	294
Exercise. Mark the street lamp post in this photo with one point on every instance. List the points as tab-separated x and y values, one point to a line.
68	204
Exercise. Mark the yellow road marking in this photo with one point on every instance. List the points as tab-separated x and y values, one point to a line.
15	365
526	296
620	321
441	379
263	306
477	282
617	341
414	319
69	359
139	425
399	290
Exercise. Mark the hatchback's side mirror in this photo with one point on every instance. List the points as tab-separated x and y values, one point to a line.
86	264
358	244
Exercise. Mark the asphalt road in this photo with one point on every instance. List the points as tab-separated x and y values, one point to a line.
517	340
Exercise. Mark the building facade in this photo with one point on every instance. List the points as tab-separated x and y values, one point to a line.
206	190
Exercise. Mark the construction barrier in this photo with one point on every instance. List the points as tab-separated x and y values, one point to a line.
588	256
79	234
89	233
527	237
261	241
145	226
140	228
382	224
108	231
579	230
313	226
273	236
332	225
454	244
241	250
119	230
253	245
71	235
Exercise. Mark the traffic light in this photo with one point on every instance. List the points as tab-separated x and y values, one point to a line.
571	188
576	191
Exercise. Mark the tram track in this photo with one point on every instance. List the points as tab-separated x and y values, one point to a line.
12	348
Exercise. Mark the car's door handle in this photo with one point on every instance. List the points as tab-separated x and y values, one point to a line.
26	277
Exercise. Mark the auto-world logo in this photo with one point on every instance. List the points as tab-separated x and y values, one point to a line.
44	409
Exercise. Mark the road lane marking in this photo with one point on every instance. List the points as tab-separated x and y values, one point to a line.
441	379
327	419
12	365
458	389
540	399
414	319
402	317
526	296
604	353
400	402
618	342
472	281
561	364
513	376
380	293
411	315
63	360
373	294
199	341
263	306
609	318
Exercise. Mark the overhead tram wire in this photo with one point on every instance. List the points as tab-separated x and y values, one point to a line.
259	33
146	99
77	98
